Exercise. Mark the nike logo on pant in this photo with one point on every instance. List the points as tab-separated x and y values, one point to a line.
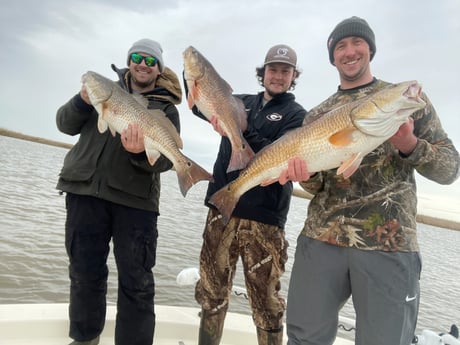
408	299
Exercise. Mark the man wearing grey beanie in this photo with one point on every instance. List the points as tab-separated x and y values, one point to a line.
113	194
149	47
360	237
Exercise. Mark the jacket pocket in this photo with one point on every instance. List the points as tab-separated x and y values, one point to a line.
132	181
76	175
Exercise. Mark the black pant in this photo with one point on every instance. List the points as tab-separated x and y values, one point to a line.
90	225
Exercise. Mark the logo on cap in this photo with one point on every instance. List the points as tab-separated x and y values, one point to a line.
281	51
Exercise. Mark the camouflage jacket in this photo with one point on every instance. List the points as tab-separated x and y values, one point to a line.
375	208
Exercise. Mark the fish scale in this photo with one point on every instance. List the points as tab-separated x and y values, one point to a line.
213	96
340	138
117	109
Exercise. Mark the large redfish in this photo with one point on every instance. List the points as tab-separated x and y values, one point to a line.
340	138
213	97
117	109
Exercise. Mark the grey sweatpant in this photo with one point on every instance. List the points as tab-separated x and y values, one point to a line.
384	287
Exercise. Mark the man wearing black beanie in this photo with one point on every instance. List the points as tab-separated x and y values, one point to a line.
353	26
360	236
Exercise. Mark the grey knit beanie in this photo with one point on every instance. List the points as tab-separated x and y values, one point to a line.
148	46
353	26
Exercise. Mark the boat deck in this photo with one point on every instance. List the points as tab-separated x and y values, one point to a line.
47	324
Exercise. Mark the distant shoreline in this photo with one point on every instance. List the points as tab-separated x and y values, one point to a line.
421	218
17	135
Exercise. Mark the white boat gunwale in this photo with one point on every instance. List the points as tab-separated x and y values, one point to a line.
40	324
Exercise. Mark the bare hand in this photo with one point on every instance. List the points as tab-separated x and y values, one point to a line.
404	139
296	171
132	139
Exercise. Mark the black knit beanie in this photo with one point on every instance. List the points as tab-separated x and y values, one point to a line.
353	26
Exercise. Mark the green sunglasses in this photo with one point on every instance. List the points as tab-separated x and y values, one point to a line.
149	60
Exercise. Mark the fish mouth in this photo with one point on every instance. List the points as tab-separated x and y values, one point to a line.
413	91
192	70
84	77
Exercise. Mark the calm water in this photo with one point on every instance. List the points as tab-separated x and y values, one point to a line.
33	263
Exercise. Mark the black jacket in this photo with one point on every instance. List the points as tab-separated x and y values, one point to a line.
269	204
99	166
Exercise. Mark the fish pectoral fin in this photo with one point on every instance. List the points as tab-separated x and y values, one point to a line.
269	181
190	101
192	93
101	124
152	155
379	125
343	137
348	167
104	112
112	130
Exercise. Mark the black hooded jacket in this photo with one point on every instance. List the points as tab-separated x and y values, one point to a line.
269	204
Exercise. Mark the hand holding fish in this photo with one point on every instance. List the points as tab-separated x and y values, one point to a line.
141	129
404	139
340	139
132	139
296	171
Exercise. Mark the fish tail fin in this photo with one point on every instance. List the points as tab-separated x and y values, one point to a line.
190	174
225	200
240	157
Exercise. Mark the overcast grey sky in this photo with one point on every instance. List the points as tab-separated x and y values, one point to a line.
47	45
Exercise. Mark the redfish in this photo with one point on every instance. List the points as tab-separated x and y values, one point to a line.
213	97
339	138
117	109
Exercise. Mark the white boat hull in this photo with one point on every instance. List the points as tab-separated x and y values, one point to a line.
47	324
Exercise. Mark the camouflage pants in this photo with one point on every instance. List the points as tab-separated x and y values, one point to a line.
263	251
